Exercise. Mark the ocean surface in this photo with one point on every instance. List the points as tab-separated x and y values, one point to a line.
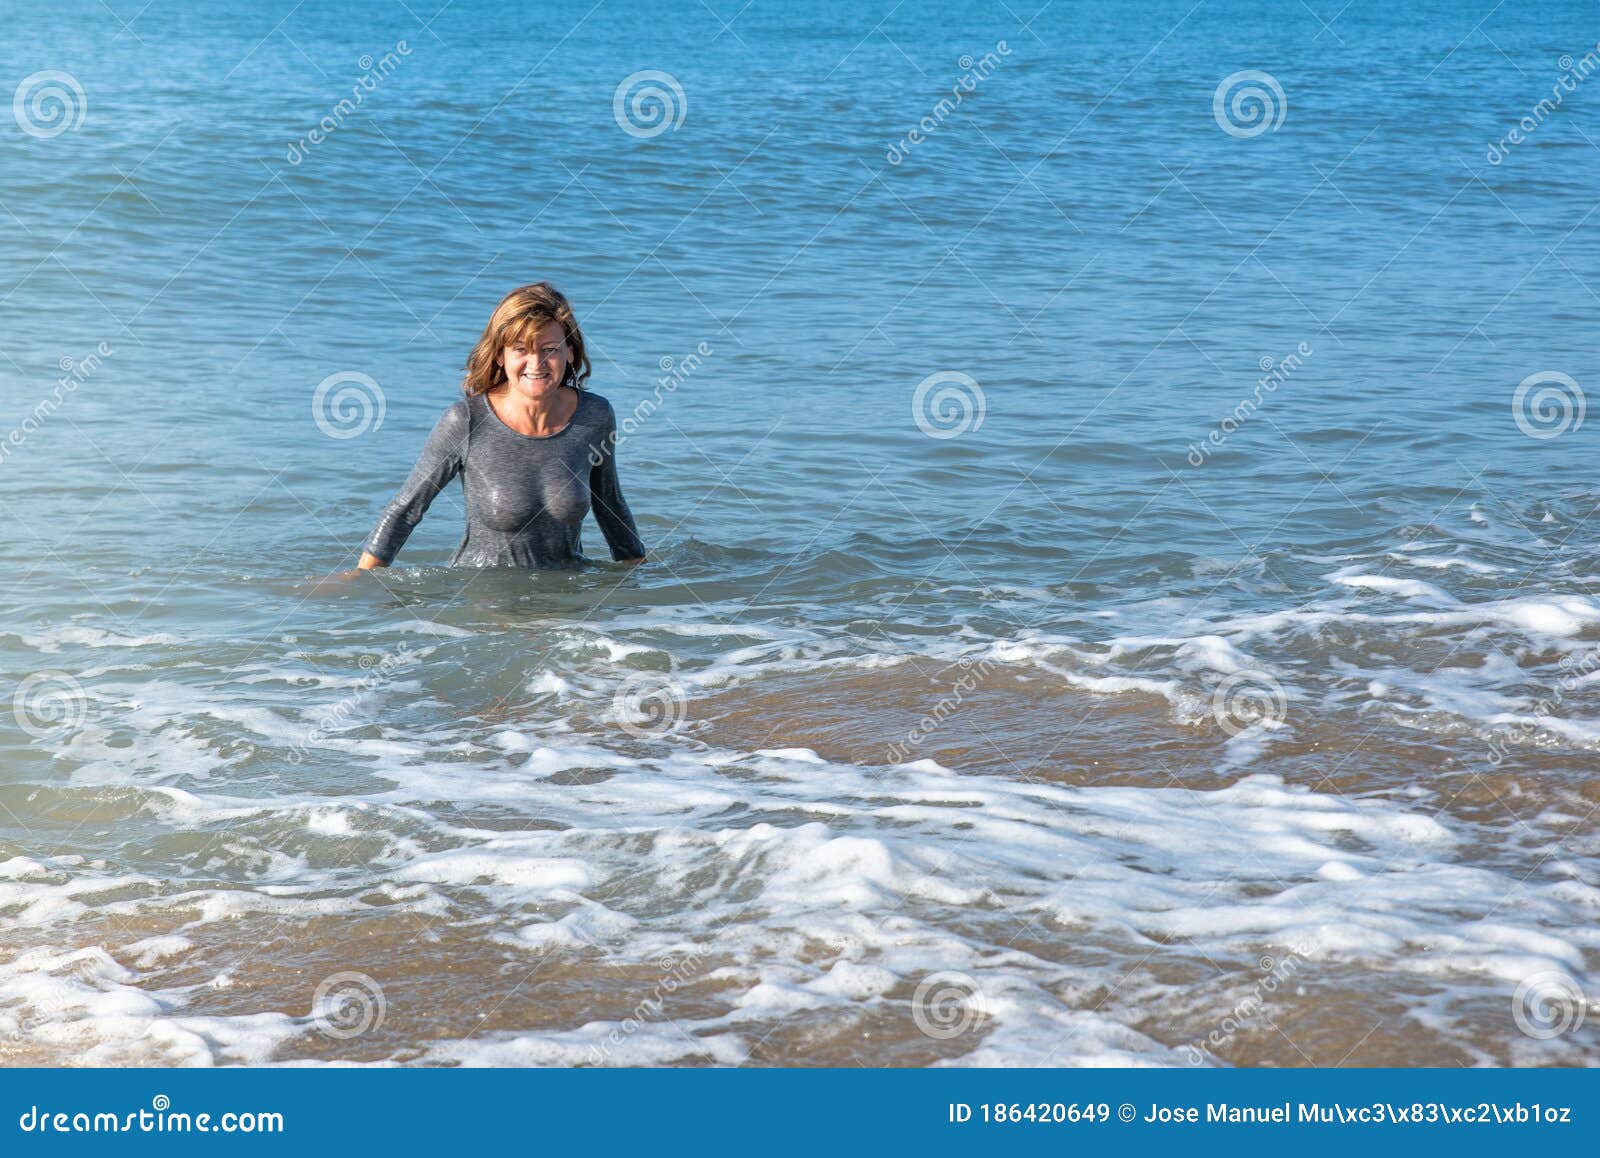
1123	568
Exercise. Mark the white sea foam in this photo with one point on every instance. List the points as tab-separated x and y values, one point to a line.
621	1043
54	639
1405	588
1248	868
1445	562
805	884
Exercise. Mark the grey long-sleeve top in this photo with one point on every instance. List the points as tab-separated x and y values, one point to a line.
526	496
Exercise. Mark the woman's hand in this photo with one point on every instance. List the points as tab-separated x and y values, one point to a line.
368	562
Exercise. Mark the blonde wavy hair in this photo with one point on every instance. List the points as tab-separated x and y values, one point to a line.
519	317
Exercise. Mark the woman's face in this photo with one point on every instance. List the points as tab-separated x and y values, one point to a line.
539	370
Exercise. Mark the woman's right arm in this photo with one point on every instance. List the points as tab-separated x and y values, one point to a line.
440	461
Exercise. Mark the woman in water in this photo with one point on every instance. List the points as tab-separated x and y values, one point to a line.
535	450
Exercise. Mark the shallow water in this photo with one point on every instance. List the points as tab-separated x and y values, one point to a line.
1035	726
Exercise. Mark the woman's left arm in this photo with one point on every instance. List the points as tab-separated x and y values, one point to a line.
610	508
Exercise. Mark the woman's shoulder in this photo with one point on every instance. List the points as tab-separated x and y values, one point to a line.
455	420
595	406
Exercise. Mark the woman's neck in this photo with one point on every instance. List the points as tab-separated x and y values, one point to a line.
536	417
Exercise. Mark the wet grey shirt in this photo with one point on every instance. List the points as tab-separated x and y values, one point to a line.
526	496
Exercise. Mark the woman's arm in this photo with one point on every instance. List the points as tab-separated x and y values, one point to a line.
440	461
610	508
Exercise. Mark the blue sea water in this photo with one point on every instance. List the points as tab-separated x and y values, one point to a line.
1113	545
